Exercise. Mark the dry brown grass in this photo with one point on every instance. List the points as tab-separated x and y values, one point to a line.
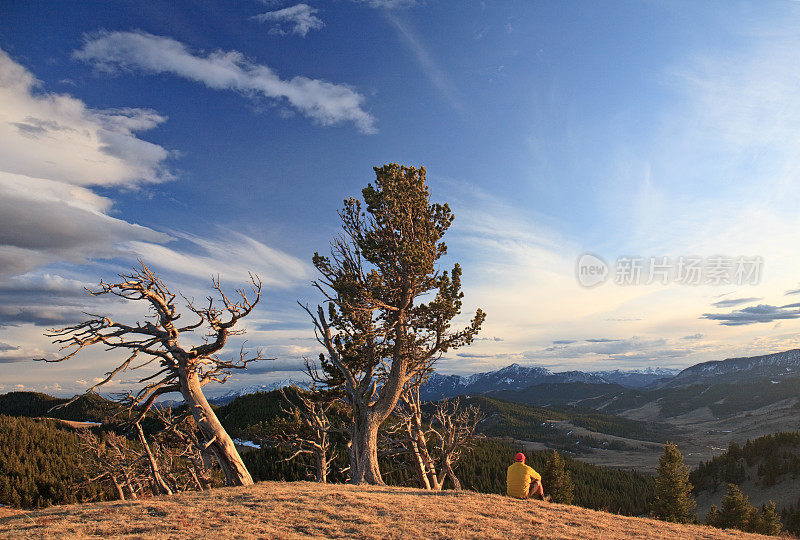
308	510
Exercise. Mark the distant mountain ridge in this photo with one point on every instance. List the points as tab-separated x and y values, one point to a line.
516	377
227	397
776	366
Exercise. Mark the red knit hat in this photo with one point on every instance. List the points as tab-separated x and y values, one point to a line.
520	457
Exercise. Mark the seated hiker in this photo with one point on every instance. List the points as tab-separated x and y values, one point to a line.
522	481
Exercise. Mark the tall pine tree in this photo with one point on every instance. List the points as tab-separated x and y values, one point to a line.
673	501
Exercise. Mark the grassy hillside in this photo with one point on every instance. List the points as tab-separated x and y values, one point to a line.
307	510
723	400
504	418
545	394
484	470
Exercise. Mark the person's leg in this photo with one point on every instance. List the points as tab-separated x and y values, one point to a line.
536	490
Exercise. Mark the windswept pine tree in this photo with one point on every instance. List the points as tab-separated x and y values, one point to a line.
673	501
388	307
557	480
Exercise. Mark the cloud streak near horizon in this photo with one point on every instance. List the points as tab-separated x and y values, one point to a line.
324	102
761	313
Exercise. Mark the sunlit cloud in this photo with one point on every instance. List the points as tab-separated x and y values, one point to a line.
327	103
48	210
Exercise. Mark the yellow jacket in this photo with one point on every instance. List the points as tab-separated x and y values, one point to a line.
519	478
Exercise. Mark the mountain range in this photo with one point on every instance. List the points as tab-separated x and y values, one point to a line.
774	367
516	377
227	397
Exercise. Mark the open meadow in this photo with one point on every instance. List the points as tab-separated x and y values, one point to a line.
310	510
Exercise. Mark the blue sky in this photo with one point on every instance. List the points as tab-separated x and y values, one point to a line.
222	137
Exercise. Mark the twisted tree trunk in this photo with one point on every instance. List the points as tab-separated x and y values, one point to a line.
217	440
364	458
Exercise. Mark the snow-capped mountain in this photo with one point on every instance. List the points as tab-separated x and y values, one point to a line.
516	377
734	370
227	397
638	378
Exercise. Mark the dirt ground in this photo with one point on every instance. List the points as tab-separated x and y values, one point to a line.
308	510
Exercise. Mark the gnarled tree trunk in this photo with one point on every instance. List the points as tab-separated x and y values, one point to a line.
218	442
364	458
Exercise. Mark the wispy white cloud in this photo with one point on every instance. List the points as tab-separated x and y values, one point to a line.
299	19
327	103
231	255
429	66
83	146
389	4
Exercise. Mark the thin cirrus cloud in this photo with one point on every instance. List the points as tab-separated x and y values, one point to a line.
324	102
298	19
231	255
435	74
731	302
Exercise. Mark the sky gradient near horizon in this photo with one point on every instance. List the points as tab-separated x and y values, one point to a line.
213	137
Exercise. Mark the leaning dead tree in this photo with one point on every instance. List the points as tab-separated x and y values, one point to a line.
388	308
162	342
159	485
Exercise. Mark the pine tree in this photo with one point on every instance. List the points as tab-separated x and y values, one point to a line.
713	517
673	501
767	521
736	511
557	480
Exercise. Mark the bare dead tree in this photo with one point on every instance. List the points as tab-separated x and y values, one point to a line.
409	412
450	431
111	459
159	485
311	429
454	427
180	441
160	340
